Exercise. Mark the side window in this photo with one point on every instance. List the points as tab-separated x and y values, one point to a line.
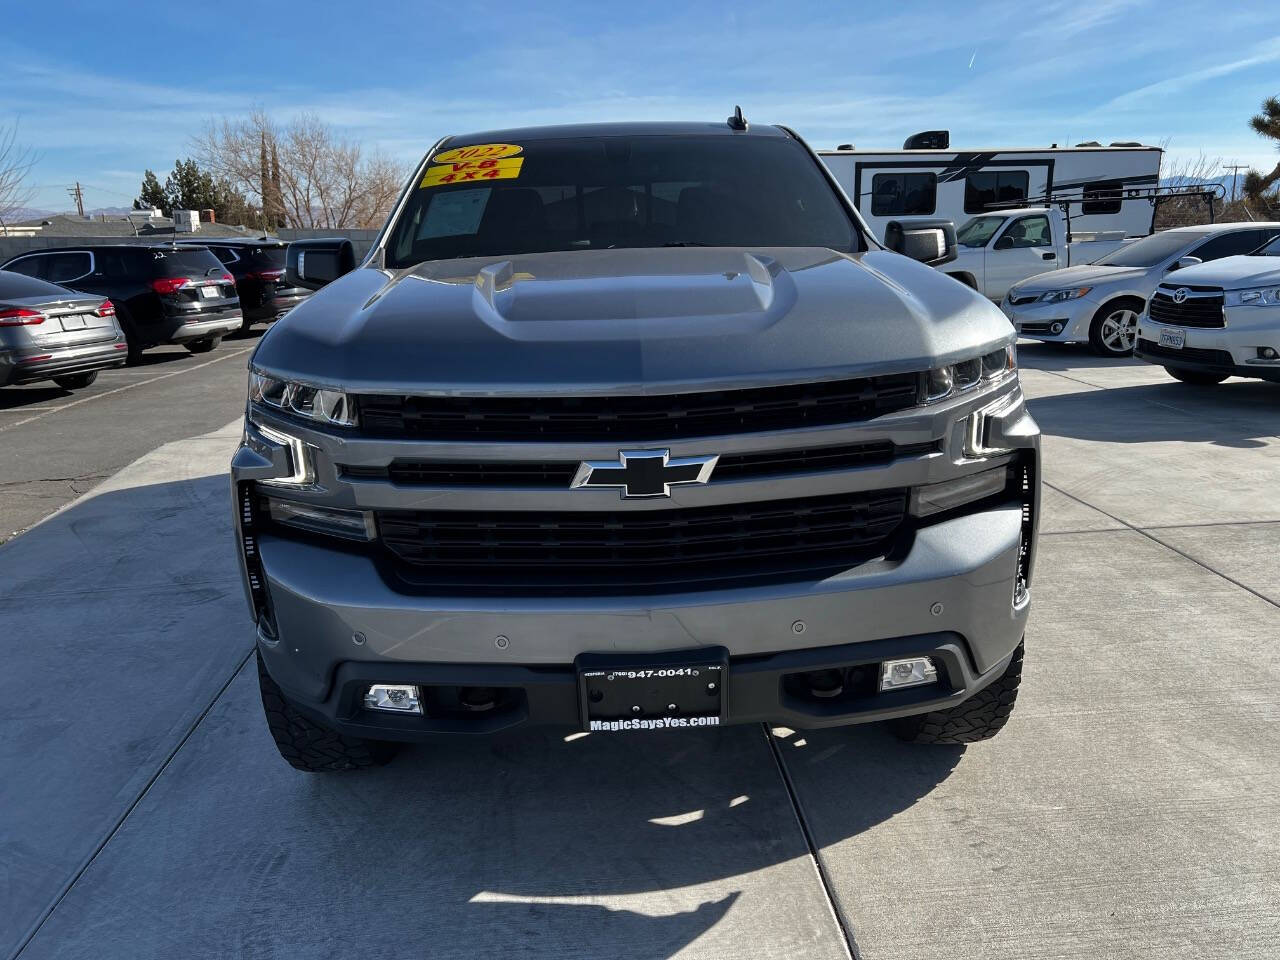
1228	245
68	267
225	254
112	264
29	266
994	186
904	194
1028	232
1102	196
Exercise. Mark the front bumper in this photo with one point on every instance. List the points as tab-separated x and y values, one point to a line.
16	366
331	620
1233	349
1036	321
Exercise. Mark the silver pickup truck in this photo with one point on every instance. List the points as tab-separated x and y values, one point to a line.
633	427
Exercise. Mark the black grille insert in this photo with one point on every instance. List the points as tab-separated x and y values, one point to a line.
559	473
637	419
640	550
1200	309
1216	358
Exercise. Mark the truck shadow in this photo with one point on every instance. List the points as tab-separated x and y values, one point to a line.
533	843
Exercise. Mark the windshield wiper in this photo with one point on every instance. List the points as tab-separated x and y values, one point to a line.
686	243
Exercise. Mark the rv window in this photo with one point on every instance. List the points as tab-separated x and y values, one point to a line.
1102	196
904	194
994	186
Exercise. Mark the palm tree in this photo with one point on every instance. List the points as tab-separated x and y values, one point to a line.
1265	124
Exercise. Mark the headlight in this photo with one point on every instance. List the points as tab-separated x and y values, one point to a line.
301	400
1061	296
943	382
1258	297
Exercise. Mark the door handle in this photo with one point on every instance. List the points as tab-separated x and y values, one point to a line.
1048	256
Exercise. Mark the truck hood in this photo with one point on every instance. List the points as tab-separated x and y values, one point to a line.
1087	275
1231	273
629	321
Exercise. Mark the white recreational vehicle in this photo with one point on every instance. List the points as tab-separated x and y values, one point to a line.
928	178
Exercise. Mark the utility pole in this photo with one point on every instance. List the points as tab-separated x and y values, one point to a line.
1235	169
78	195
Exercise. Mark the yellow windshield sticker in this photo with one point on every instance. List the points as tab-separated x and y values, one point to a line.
473	171
481	151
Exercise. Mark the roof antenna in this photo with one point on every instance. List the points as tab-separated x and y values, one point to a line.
737	121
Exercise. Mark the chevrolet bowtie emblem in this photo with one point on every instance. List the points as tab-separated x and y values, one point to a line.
644	473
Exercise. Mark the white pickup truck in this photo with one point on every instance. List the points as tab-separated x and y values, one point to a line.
996	250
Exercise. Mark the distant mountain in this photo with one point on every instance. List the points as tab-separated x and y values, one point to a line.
29	213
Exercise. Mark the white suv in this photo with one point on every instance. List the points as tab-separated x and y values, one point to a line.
1100	303
1217	320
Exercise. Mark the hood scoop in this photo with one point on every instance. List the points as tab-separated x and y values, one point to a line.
674	294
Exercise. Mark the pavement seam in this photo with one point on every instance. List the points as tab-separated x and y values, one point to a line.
837	912
88	862
1168	546
127	386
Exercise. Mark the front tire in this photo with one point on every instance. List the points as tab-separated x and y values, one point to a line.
1114	330
980	717
1198	378
76	381
310	746
203	346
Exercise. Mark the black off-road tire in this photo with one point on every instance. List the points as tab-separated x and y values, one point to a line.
980	717
310	746
1197	378
76	381
204	345
132	336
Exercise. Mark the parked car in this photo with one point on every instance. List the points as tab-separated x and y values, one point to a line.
258	267
163	293
1100	303
48	332
1217	320
633	427
997	250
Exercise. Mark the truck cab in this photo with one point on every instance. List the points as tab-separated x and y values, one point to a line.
997	250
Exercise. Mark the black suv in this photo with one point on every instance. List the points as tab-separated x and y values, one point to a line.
163	292
258	266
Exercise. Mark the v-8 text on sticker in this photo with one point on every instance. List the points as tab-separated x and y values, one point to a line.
506	168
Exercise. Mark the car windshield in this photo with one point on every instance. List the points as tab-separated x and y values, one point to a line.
596	193
1269	249
978	231
1149	251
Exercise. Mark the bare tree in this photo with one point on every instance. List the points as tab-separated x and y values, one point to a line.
16	162
303	173
1188	172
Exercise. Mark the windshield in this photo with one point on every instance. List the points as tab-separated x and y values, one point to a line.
1269	249
629	191
978	231
1149	251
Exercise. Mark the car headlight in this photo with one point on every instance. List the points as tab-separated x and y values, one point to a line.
302	400
1062	296
1257	297
943	382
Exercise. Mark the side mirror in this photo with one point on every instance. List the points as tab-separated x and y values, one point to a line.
315	263
1184	262
927	239
1004	243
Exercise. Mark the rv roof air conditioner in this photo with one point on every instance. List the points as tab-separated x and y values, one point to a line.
928	140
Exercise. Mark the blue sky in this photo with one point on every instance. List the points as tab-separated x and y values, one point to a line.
102	92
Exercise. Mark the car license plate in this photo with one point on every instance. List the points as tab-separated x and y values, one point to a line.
1173	339
75	321
210	293
659	692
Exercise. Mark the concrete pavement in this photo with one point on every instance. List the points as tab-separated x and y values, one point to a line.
1127	811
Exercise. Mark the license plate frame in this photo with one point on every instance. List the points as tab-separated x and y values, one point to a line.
1173	339
618	692
210	293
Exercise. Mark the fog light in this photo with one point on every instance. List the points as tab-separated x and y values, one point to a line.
1055	328
1267	353
338	522
395	697
895	674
